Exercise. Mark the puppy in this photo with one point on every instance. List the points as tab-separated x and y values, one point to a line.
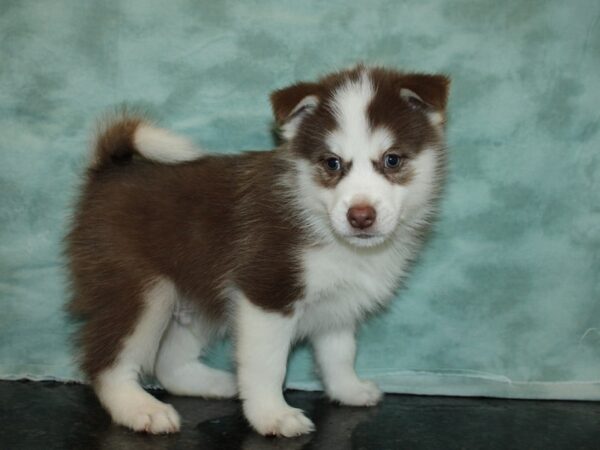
170	248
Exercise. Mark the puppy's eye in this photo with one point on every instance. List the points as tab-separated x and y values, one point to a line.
333	164
392	161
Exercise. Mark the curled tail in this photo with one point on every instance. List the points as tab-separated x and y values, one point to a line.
119	139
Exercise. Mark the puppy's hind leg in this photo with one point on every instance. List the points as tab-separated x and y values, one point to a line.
177	365
118	386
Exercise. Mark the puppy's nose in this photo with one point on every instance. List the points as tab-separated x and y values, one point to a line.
361	216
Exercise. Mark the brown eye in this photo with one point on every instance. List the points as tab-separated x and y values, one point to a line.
392	161
333	164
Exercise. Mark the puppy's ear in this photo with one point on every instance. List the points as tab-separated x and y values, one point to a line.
428	93
292	104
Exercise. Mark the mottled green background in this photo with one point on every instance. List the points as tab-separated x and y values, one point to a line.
506	299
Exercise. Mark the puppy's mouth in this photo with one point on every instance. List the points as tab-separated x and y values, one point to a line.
365	239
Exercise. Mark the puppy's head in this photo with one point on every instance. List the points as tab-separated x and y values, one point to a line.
369	146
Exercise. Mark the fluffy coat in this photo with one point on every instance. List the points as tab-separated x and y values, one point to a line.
170	247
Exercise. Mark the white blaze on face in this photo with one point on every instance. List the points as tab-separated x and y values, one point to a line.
359	145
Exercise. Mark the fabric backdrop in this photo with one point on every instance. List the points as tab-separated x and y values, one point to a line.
505	300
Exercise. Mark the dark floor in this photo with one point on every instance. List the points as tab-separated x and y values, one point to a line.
57	416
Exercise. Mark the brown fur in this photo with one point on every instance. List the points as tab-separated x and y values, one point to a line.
403	174
216	220
409	124
328	178
114	144
187	222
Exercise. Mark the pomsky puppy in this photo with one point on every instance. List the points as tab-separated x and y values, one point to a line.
170	248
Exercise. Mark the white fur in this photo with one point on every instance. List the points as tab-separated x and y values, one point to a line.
163	146
177	365
435	117
350	102
355	141
335	351
407	93
420	192
289	129
343	284
118	386
345	277
263	341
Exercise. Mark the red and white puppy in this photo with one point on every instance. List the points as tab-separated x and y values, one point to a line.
170	248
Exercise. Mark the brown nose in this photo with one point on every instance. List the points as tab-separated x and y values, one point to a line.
361	216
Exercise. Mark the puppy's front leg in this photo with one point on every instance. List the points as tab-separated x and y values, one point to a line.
335	351
263	340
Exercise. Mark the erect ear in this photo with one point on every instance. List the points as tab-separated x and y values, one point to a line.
292	104
428	93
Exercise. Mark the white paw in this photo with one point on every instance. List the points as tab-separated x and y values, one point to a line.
153	417
197	380
285	421
361	393
224	387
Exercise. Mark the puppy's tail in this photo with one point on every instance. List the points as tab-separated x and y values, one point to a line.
118	139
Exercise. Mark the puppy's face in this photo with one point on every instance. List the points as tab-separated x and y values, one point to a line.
369	147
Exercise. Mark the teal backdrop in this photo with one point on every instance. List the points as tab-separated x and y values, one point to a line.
505	300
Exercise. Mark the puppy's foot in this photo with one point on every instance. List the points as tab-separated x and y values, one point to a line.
361	393
197	380
153	417
285	421
225	386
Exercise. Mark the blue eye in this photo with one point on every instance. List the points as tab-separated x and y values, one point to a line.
392	161
333	164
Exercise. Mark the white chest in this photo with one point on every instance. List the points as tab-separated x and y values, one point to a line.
342	284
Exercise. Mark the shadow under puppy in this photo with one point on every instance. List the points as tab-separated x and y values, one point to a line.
170	248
